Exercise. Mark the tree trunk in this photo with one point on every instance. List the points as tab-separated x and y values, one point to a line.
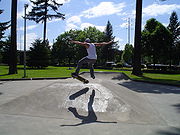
170	58
137	40
45	21
13	46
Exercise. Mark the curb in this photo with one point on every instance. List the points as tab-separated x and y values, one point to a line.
51	78
151	82
24	79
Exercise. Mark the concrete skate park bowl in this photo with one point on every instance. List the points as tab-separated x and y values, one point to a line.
103	100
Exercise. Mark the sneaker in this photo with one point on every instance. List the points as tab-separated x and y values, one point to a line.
74	74
93	77
72	109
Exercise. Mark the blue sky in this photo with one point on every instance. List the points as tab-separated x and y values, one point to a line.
83	13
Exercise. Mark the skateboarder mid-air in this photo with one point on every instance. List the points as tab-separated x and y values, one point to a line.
92	56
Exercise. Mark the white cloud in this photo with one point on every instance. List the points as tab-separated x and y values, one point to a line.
31	27
63	1
74	19
121	47
72	22
30	38
86	25
82	26
156	9
101	28
28	27
20	15
124	25
24	0
54	20
87	2
104	8
70	26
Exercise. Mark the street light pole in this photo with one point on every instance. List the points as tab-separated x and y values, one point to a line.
25	7
129	30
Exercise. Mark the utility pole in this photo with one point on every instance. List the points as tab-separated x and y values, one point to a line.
129	30
25	7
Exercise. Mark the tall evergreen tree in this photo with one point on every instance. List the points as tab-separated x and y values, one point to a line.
13	47
107	51
174	28
5	51
39	12
39	54
3	27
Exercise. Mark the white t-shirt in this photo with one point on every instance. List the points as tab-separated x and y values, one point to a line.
91	51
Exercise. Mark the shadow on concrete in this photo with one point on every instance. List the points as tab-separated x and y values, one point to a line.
90	118
150	88
177	106
120	77
79	93
172	131
1	93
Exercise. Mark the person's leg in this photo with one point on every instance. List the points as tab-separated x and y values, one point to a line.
91	67
80	63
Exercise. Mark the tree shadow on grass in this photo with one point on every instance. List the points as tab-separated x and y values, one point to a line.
90	118
30	68
4	74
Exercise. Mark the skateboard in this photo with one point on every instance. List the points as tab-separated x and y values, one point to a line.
80	78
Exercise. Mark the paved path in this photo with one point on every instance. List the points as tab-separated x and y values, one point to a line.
109	105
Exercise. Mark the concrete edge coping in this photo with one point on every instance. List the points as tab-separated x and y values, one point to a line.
51	78
151	82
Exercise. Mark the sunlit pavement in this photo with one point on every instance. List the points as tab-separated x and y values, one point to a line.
109	105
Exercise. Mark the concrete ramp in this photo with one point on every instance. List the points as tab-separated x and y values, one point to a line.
102	100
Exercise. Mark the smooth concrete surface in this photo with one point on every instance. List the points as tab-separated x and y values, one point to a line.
109	105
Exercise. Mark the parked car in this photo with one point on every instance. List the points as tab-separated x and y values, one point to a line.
110	64
126	65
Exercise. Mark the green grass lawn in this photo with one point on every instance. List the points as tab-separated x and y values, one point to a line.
66	72
36	73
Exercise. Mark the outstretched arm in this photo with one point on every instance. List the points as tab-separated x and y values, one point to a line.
80	43
103	43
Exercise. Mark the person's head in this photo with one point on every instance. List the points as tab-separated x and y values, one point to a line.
87	40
